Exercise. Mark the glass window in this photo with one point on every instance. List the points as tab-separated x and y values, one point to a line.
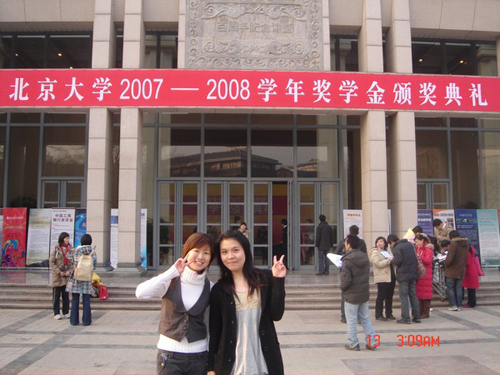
344	55
463	122
160	51
119	49
459	59
490	155
272	153
179	152
3	117
2	161
63	151
464	156
150	51
30	51
70	51
352	168
430	122
490	123
25	118
23	167
65	118
432	154
317	153
225	153
6	54
427	57
486	58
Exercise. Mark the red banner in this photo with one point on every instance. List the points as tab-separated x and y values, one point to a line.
248	89
14	237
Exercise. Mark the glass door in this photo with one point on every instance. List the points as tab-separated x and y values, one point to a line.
178	218
433	195
62	193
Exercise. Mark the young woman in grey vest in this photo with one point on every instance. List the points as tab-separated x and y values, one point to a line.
244	304
185	293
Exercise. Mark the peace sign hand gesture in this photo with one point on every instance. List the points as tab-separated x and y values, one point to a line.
279	269
181	263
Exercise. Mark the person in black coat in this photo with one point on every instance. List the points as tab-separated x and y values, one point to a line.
405	259
324	241
244	304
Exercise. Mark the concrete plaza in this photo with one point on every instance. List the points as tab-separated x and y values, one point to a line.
312	342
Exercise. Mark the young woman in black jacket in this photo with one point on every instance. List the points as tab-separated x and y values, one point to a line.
244	304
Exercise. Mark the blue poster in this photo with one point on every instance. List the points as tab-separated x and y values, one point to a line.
466	224
80	225
424	219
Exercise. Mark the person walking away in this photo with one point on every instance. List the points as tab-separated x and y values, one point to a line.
384	277
354	283
471	279
405	259
244	304
184	290
77	287
60	267
324	241
454	269
425	251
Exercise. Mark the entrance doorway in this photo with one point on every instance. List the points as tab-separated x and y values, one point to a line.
62	193
433	195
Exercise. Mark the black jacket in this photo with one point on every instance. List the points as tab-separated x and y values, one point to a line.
405	259
324	236
355	277
223	326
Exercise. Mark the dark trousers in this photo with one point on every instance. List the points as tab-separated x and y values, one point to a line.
323	262
407	296
425	308
471	297
56	300
75	313
385	292
173	363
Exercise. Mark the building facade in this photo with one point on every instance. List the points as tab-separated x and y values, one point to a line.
209	168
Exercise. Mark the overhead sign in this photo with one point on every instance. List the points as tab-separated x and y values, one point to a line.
248	89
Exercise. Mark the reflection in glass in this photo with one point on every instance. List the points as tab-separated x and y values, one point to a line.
260	193
166	234
465	169
188	230
214	193
306	193
51	192
272	153
166	256
260	256
440	196
486	56
432	154
189	213
214	213
344	55
74	194
422	197
179	152
167	193
225	153
307	238
490	170
190	193
64	151
70	51
260	234
260	213
317	153
167	213
306	212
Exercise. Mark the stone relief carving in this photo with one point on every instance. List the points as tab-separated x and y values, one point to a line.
264	34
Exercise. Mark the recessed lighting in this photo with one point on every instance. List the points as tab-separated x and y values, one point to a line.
462	61
17	55
59	54
420	60
71	67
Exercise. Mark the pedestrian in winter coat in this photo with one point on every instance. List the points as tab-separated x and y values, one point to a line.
60	266
244	304
324	241
354	283
471	279
184	290
385	278
425	251
454	271
77	287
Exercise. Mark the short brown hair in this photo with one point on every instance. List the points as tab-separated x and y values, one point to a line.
197	240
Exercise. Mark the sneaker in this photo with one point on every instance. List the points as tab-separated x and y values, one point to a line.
403	321
381	318
371	347
391	317
355	348
459	308
343	320
416	320
66	316
57	317
453	308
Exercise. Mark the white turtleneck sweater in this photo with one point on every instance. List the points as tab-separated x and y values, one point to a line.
192	285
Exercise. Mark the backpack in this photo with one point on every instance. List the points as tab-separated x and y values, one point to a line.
85	268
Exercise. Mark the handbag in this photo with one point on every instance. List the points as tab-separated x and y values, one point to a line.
85	268
103	292
421	271
479	269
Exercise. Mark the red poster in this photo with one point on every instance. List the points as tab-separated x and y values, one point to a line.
349	92
14	237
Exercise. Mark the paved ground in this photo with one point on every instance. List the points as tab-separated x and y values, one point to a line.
312	342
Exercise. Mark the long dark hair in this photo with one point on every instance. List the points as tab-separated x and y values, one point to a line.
62	236
250	272
383	239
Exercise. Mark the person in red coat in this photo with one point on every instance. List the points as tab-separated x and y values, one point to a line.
425	251
471	279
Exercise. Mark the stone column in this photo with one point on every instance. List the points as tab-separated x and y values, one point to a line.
129	188
373	144
401	137
100	144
